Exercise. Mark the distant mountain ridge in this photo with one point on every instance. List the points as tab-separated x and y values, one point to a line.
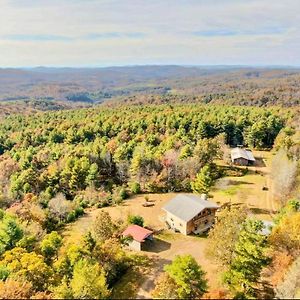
233	84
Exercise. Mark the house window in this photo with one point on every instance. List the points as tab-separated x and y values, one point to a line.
172	219
180	224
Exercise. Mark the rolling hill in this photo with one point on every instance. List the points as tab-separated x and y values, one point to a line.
230	84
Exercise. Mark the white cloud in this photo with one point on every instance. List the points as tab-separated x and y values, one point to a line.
105	32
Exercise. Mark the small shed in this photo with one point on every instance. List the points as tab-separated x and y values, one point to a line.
242	157
140	236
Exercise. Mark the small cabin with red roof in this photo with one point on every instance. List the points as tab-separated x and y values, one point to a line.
140	236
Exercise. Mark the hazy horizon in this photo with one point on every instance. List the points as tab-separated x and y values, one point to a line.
150	65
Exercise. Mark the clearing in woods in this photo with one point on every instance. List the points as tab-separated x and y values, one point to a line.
247	189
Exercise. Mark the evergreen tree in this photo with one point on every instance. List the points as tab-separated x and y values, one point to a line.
203	181
10	232
250	258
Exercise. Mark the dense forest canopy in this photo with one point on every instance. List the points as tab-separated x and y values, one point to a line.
54	165
163	146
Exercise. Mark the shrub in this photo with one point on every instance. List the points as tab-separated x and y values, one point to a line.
79	211
71	217
123	194
84	204
135	188
137	220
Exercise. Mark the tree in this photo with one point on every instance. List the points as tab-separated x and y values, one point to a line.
255	134
103	226
135	219
280	263
165	288
113	259
206	150
13	289
88	281
289	209
249	259
27	266
92	174
284	172
289	288
286	235
89	242
60	207
10	232
141	164
203	181
28	242
65	264
62	291
51	244
188	276
224	235
185	152
42	295
170	162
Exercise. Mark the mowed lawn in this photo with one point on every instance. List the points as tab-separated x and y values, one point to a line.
244	190
248	189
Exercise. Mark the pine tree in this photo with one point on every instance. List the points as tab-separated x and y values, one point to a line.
250	258
203	181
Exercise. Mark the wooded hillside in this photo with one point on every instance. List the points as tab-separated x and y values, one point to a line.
219	84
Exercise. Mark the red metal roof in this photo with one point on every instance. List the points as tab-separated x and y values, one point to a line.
138	233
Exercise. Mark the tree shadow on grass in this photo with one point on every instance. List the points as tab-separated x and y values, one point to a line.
257	211
239	182
230	204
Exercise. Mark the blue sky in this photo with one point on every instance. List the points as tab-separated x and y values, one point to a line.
130	32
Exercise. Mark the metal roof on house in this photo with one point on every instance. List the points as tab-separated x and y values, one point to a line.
242	153
138	233
186	206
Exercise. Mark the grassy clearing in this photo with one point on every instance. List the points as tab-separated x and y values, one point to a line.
248	189
231	191
241	188
236	189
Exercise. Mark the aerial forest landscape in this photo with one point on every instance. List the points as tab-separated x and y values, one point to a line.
149	150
